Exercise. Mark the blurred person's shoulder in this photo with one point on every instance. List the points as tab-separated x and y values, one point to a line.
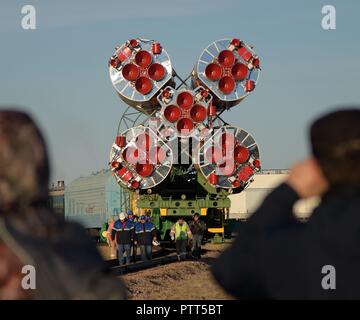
67	262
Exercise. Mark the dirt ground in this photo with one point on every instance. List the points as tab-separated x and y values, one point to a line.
186	280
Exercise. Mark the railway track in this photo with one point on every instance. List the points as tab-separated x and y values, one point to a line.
161	257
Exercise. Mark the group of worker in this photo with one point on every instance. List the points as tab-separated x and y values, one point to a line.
128	233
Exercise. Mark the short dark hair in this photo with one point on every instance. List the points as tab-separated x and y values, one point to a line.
335	142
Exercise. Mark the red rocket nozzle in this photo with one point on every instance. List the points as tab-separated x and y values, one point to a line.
135	184
120	141
185	100
226	58
115	164
249	85
256	163
144	170
241	154
113	62
185	126
143	85
256	62
130	155
166	93
172	113
134	43
198	113
130	72
226	85
143	59
156	72
213	71
236	42
236	184
213	179
239	71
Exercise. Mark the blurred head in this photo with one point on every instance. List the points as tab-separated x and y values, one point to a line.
181	220
130	213
24	178
335	141
122	216
142	219
196	216
24	168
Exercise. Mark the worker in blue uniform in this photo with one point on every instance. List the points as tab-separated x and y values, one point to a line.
132	217
145	235
123	232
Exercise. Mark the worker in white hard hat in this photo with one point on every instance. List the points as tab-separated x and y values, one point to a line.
123	232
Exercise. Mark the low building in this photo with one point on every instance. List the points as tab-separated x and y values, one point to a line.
243	205
56	200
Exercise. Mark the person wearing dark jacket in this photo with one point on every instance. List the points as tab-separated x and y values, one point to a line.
123	232
61	257
275	256
198	228
133	219
145	234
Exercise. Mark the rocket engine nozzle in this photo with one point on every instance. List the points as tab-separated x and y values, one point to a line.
139	70
228	158
184	110
229	69
142	161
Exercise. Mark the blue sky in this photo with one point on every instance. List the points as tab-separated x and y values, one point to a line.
59	73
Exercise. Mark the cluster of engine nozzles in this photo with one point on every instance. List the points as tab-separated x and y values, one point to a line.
140	159
227	71
142	74
185	110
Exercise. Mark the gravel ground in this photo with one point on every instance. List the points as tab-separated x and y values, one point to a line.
180	280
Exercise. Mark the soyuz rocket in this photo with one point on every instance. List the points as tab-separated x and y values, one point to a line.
183	115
